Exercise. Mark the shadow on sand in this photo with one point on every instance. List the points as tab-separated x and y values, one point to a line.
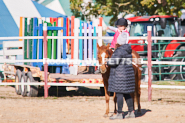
61	92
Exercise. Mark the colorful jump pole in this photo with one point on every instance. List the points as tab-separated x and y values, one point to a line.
85	41
72	34
80	43
25	40
149	29
49	45
40	44
94	46
45	64
90	43
100	31
34	47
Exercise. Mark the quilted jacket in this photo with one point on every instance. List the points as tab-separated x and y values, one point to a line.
122	78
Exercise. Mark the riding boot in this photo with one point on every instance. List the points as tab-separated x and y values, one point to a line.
117	116
130	115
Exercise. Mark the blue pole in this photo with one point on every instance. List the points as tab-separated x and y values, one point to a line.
34	47
80	42
40	45
94	46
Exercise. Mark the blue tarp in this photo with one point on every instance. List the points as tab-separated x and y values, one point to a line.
8	27
45	12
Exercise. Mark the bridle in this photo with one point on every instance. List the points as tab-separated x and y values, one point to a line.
106	67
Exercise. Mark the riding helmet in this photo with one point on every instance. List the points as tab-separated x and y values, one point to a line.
122	22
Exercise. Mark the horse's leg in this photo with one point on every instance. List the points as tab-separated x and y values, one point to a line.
115	101
133	95
106	98
139	90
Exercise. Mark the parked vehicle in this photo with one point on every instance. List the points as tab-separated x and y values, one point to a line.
163	50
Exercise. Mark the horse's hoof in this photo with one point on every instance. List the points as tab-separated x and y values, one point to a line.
105	115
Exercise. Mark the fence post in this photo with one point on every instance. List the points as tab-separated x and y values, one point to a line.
45	61
149	29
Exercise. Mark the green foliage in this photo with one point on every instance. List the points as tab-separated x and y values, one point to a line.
113	8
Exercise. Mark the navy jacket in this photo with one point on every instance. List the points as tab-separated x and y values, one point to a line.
122	78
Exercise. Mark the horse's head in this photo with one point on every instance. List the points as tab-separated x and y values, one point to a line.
103	53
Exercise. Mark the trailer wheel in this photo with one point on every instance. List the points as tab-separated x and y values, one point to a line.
32	90
23	87
18	80
180	68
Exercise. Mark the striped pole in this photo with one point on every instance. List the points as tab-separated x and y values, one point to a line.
21	28
64	40
80	43
55	43
76	27
59	40
67	34
45	64
34	47
100	21
31	40
85	41
49	42
25	40
90	42
149	29
94	46
72	34
40	45
100	31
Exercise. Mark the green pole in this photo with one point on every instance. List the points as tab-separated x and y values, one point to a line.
159	64
25	40
30	41
55	44
49	42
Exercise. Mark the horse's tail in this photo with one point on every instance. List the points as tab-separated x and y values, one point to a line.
138	88
137	92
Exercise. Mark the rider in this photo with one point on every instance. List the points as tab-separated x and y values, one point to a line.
121	25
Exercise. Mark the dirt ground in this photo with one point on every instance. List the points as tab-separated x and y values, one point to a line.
87	105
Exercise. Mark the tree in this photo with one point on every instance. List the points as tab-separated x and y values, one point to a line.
164	7
113	8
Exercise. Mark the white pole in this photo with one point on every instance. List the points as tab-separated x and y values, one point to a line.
100	35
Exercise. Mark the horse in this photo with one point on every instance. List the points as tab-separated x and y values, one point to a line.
106	52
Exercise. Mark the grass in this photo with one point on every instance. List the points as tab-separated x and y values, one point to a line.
3	97
169	83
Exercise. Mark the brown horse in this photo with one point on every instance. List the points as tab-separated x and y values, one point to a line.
105	71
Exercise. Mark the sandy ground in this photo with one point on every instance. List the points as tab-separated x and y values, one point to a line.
87	106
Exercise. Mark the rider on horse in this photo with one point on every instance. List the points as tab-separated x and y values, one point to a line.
121	25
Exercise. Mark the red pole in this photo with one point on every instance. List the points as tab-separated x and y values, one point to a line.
149	29
100	21
45	63
72	40
72	34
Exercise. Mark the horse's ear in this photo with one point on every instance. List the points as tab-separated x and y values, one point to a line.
98	46
108	46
